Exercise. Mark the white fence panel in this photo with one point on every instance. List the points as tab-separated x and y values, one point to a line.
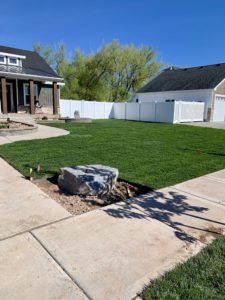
119	111
108	110
147	111
186	113
165	112
99	110
88	110
65	108
189	111
133	111
75	106
176	117
198	113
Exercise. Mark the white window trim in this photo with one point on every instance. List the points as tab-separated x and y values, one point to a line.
11	64
12	55
24	95
3	62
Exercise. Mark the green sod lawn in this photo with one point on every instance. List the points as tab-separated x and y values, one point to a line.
201	277
155	155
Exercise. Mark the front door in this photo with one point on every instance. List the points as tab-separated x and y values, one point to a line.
9	93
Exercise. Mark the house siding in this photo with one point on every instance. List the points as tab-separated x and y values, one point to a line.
220	89
45	97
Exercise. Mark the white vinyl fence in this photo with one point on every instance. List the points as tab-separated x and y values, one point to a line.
165	112
87	109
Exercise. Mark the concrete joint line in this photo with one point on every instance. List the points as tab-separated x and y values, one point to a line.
34	228
200	197
60	265
215	179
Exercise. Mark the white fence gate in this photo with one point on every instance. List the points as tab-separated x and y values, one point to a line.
186	111
165	112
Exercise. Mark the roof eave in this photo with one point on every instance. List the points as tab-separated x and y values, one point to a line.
30	76
219	84
181	90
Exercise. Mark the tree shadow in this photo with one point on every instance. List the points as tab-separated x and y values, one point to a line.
162	207
201	151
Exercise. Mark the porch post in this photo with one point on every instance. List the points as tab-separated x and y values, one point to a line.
55	98
4	96
32	108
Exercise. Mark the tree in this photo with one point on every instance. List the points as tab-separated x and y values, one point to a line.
113	73
60	60
131	67
45	51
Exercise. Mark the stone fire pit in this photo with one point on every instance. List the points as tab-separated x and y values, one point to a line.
76	119
73	120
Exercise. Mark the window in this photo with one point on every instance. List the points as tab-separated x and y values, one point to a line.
13	61
2	59
26	93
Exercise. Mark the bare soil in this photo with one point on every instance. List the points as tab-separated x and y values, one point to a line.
77	204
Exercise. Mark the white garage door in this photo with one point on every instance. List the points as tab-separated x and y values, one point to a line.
219	109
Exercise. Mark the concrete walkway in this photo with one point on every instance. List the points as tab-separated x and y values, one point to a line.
217	125
44	132
110	253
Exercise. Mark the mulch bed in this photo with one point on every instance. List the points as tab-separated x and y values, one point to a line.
76	204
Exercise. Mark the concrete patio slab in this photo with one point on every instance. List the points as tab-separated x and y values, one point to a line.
28	272
23	205
191	216
43	132
113	252
204	187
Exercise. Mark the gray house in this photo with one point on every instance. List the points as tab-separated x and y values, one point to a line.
27	83
200	84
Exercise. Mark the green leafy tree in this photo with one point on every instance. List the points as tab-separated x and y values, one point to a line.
113	73
60	60
45	51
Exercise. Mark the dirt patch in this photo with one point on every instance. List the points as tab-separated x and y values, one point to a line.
77	205
212	233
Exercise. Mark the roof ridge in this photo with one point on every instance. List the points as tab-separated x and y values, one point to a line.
194	78
20	49
195	67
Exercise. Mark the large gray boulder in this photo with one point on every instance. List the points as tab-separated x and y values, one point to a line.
88	180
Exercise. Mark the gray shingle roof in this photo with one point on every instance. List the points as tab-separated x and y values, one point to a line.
34	64
175	79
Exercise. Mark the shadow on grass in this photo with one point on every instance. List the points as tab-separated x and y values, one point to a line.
162	207
201	151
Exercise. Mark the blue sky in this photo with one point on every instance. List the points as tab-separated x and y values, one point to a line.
183	32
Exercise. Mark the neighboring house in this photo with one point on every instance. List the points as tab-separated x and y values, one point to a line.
202	84
27	83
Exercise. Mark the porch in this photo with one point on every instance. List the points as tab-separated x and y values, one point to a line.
28	96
